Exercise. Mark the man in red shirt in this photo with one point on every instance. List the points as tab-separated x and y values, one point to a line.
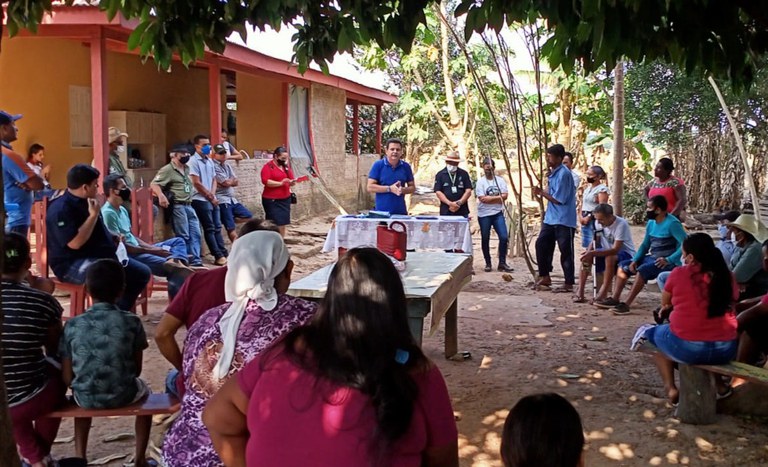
201	291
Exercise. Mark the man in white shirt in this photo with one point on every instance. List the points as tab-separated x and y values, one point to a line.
616	246
491	191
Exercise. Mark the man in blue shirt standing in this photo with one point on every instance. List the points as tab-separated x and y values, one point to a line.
19	181
391	178
559	221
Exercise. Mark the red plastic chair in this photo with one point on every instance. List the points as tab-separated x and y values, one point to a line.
143	227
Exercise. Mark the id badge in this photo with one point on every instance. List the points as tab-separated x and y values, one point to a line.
454	190
187	188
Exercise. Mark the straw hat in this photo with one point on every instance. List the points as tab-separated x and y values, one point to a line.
115	134
749	223
453	156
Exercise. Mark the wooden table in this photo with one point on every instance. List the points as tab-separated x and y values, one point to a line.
432	283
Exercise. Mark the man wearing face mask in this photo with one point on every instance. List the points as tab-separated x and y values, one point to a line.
660	251
727	243
173	188
165	259
747	260
453	187
203	174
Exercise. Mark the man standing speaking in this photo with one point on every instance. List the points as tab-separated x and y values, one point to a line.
391	178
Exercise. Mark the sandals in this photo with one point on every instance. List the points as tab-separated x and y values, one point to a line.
541	287
577	299
728	393
563	289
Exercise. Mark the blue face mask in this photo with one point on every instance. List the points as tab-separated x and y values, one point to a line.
206	149
723	231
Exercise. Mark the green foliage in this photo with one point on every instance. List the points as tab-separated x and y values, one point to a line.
712	36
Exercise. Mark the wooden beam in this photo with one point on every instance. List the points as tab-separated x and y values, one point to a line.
99	115
214	102
378	129
356	129
286	114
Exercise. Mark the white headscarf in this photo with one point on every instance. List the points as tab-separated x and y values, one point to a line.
254	262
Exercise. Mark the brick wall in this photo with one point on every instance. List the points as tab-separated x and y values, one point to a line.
345	176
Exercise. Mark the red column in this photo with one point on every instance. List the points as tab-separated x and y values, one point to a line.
378	129
214	101
356	129
286	115
99	116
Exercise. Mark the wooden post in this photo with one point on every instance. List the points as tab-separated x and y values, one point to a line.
356	129
214	101
100	117
286	114
452	330
378	129
698	396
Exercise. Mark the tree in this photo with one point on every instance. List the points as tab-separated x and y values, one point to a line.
618	139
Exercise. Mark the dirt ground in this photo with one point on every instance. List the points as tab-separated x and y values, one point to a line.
525	342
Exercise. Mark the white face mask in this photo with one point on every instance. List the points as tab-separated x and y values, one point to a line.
451	168
120	149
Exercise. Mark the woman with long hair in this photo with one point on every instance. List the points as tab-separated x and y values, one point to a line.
351	388
595	192
702	327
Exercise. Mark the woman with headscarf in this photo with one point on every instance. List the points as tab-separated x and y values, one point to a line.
227	337
351	388
670	187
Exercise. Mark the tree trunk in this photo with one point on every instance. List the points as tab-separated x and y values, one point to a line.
8	454
618	139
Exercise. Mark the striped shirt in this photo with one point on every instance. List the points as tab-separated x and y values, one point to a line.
28	314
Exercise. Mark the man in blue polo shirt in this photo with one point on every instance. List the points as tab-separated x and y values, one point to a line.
19	180
559	221
391	178
77	236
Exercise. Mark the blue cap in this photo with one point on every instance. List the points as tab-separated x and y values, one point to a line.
6	118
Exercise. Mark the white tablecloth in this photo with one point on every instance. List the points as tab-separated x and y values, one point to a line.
440	233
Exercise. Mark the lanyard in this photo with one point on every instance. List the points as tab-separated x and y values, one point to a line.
453	178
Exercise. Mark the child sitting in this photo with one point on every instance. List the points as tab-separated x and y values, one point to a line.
31	324
543	430
101	354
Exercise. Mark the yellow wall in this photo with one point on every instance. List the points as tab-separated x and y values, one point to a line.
260	114
35	75
181	95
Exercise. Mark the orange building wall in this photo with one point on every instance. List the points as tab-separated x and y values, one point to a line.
260	113
181	95
35	75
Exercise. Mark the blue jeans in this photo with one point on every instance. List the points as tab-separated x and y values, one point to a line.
500	226
661	279
646	267
210	219
170	382
19	229
136	279
691	352
231	211
562	235
186	226
178	250
587	234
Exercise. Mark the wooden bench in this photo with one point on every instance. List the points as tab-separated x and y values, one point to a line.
152	405
698	393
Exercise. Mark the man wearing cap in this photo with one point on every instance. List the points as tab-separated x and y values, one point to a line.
226	181
19	180
173	188
453	187
747	261
202	171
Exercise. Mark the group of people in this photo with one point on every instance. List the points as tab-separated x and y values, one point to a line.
344	380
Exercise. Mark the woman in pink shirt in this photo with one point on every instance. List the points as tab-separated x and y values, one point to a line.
351	388
702	325
670	187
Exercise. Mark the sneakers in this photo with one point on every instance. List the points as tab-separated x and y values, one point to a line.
488	268
620	309
504	268
609	302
